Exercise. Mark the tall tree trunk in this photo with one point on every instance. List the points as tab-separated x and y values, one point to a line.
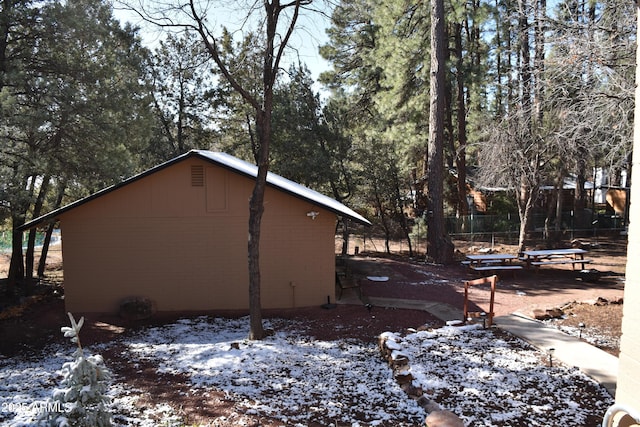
580	195
528	195
256	210
407	236
509	72
540	17
449	132
461	152
527	192
31	241
345	236
559	208
525	60
19	208
550	201
498	102
16	265
525	219
439	246
402	218
42	263
554	211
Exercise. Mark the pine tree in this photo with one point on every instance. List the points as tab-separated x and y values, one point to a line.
81	400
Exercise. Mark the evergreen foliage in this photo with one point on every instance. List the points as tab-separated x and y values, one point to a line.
74	113
182	89
533	93
81	400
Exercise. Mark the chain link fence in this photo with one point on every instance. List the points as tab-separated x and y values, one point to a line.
493	229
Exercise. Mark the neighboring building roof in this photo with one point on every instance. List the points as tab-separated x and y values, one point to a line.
569	183
229	162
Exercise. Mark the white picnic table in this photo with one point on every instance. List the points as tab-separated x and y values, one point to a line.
571	256
488	262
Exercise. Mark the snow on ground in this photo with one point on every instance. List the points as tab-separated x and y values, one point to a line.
487	377
491	378
591	335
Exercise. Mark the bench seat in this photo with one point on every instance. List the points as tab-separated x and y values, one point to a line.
496	267
483	262
562	261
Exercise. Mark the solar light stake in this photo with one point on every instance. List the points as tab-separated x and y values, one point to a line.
483	315
581	326
550	351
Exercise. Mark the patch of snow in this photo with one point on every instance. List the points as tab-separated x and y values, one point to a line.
491	381
485	378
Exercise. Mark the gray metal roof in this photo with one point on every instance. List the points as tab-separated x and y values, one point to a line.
229	162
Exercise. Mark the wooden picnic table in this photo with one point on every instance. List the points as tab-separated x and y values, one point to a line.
491	262
571	256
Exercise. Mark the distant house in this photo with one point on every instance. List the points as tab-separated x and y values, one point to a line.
177	235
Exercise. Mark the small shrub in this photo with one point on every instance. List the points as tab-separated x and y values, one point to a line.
81	400
136	308
419	229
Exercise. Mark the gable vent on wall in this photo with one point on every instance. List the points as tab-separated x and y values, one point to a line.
197	175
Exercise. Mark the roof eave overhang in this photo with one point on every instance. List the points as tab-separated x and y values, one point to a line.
56	214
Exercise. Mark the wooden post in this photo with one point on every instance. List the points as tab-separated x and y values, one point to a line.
492	280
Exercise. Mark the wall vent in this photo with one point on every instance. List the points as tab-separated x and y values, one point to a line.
197	175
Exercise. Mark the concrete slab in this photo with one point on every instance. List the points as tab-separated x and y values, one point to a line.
445	312
571	351
440	310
